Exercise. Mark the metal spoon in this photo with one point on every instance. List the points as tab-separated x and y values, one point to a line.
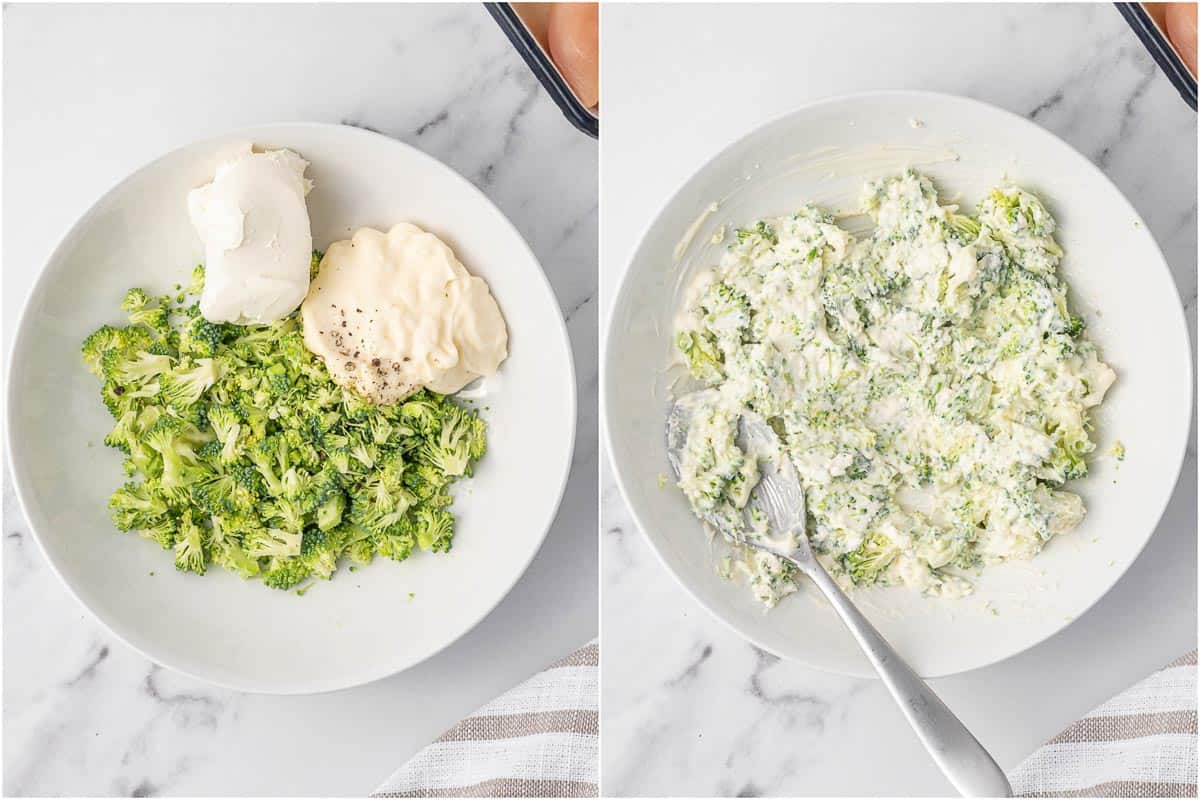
781	497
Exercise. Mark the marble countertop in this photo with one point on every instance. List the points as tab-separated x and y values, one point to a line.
93	92
699	711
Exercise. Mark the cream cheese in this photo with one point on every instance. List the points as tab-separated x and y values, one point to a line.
254	223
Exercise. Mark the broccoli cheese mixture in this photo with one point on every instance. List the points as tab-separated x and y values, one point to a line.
929	384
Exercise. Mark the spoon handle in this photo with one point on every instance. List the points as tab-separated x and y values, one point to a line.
959	754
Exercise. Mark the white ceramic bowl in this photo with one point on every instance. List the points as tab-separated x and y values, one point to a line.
1119	280
363	625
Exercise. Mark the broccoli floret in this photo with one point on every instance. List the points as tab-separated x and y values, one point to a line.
362	551
154	317
320	551
189	546
703	358
963	228
421	414
201	338
265	458
135	300
284	573
760	232
329	513
100	342
230	555
242	451
182	389
163	531
867	563
268	542
461	434
223	494
122	367
227	427
165	438
134	507
289	514
197	283
396	546
435	529
125	433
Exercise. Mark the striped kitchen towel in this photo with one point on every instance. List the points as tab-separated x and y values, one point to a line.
1142	743
540	739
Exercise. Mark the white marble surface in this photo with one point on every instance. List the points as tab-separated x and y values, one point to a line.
689	708
90	93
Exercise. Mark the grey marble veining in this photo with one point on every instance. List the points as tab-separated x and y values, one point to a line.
689	707
84	714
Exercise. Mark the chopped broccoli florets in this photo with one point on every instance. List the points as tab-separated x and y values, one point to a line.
242	452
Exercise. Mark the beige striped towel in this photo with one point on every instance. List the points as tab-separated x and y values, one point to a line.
540	739
1142	743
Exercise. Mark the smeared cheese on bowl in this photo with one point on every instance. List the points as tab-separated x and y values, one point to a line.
390	313
929	383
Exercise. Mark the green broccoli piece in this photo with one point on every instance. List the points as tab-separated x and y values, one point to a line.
163	531
329	513
197	283
134	507
201	338
1074	326
227	427
461	435
422	414
189	546
396	546
125	368
269	542
182	389
135	300
230	555
866	564
319	551
138	307
97	344
435	529
284	573
165	439
703	358
963	228
362	551
241	451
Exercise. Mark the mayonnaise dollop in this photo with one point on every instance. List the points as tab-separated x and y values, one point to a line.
257	239
392	312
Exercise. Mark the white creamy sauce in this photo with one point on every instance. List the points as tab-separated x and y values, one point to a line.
931	385
257	240
392	312
685	241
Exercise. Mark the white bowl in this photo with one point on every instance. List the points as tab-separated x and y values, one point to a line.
824	152
363	625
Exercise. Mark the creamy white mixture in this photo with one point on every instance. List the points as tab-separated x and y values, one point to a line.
257	240
929	383
392	312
